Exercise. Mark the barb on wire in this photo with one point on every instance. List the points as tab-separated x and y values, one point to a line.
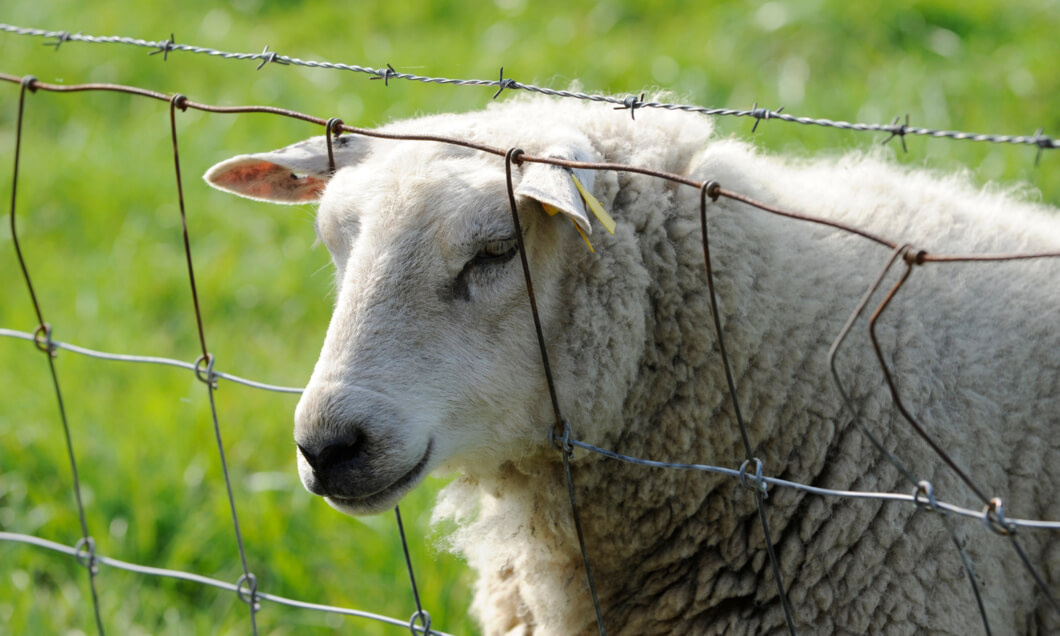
631	104
266	56
1043	143
165	47
60	37
271	57
762	113
899	130
385	75
503	83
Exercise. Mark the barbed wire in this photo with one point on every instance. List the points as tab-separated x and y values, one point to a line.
751	472
899	127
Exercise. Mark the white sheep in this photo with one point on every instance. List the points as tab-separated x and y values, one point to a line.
431	363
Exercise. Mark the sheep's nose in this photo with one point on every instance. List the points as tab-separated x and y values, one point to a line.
335	459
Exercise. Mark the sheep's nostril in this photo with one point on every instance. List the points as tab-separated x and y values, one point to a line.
309	457
339	454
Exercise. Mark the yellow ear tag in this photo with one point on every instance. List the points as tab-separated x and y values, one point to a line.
552	211
594	205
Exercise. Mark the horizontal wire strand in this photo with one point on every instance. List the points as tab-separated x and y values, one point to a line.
731	472
121	357
1042	142
14	537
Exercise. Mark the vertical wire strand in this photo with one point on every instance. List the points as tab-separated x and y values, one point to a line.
712	189
896	396
896	254
423	616
913	260
1034	573
513	155
44	331
581	542
210	379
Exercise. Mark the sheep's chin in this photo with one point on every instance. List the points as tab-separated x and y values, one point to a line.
388	497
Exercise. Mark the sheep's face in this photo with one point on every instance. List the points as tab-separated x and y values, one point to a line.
431	355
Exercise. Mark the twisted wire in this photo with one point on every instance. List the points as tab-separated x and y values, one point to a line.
631	103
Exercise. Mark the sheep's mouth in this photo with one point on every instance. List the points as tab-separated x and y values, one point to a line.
388	495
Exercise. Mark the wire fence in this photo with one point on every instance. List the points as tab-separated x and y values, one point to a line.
899	127
751	473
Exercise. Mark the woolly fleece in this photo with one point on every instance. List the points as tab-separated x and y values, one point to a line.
975	349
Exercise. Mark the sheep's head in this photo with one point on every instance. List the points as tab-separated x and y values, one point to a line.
431	356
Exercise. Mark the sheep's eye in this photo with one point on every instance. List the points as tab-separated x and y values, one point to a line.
484	267
496	252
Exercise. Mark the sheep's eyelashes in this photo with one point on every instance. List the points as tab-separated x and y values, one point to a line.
483	267
495	252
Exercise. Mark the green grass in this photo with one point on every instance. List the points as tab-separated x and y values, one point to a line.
98	218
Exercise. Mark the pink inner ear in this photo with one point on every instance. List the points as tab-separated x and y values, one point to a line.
271	182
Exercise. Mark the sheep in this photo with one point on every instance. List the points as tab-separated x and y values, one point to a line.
431	363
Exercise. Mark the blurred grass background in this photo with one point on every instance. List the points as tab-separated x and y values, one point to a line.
97	213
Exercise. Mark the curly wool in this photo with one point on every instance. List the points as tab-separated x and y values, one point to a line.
974	348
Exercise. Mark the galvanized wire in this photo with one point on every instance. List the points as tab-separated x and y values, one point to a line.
922	497
14	537
122	357
741	474
421	616
897	128
1030	524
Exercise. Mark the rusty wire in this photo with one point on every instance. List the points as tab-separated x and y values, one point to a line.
924	488
993	514
560	433
247	580
713	190
42	338
897	128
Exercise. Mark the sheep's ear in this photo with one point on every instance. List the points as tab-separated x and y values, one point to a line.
295	174
553	186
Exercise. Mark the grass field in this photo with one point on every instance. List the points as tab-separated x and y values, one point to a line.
98	218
